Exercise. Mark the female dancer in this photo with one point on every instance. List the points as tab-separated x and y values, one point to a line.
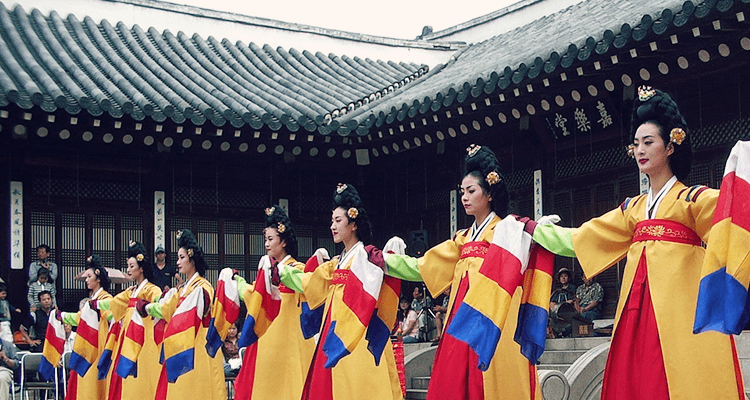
654	353
350	286
455	264
282	348
88	386
142	365
206	380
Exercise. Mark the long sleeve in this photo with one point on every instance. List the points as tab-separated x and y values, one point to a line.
435	268
402	267
556	239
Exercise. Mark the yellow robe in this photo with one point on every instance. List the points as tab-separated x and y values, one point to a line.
508	376
282	348
143	385
355	376
206	380
89	387
697	366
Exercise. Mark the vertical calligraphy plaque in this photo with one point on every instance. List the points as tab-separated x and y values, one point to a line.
160	227
538	195
16	225
454	212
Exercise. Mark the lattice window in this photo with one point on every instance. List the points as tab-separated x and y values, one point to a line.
700	175
73	256
208	237
42	232
103	239
234	239
131	228
628	186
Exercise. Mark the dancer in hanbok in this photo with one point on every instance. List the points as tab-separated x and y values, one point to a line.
135	363
455	264
188	372
282	348
91	337
354	357
654	353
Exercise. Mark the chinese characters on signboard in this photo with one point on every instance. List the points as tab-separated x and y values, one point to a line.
583	118
16	225
537	194
643	182
454	212
159	222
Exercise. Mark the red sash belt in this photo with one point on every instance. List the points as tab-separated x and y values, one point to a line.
284	289
474	249
666	230
340	276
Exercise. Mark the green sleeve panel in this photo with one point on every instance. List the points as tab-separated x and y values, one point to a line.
292	278
556	239
154	310
402	267
103	305
241	284
70	318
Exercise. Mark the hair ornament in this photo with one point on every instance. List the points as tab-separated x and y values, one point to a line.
190	252
270	210
131	243
677	135
493	178
280	227
96	271
139	257
645	93
88	259
631	150
473	149
352	212
340	188
179	234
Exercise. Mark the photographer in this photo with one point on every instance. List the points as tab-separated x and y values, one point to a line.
43	252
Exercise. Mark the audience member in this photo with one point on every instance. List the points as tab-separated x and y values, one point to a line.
42	251
35	326
42	284
70	338
440	312
163	272
565	293
589	297
5	314
9	364
232	360
407	322
422	305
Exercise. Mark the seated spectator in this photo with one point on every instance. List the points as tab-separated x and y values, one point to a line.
589	297
35	326
232	360
440	312
42	284
422	306
10	363
70	338
565	293
6	333
407	322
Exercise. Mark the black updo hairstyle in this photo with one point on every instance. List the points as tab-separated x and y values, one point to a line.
138	251
277	218
94	263
186	240
482	164
658	108
347	197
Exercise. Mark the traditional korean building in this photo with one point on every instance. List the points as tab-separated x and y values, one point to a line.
132	119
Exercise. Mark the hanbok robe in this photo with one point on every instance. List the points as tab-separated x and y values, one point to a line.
455	374
282	349
122	306
206	380
89	387
654	353
355	376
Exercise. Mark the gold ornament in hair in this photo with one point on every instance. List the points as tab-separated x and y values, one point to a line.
677	135
493	178
131	243
280	227
631	150
190	253
270	210
473	149
88	259
645	93
96	271
179	233
340	188
139	257
352	213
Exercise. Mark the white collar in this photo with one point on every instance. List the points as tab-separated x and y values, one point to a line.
283	260
476	230
187	284
96	294
653	201
346	255
139	288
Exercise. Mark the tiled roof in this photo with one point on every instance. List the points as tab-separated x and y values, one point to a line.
54	62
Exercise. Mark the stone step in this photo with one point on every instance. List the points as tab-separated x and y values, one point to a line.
420	382
561	356
555	367
416	394
584	343
413	347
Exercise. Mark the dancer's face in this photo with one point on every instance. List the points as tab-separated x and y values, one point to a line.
651	153
275	247
342	230
184	263
474	199
135	272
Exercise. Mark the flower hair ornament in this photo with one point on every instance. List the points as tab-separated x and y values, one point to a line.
190	253
631	150
493	178
473	149
677	135
270	210
352	212
179	234
280	227
131	243
139	257
645	93
340	188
